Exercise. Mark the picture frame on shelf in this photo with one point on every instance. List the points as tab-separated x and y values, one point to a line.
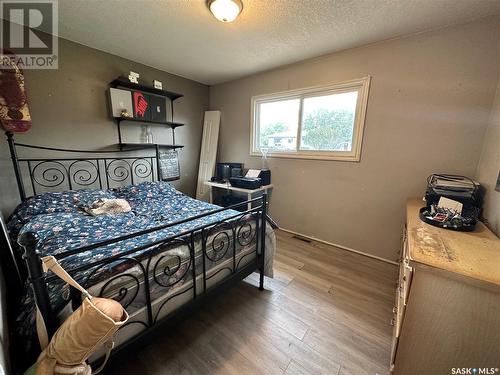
158	108
141	105
121	100
157	85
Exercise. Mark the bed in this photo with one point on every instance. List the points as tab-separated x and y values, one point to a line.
161	260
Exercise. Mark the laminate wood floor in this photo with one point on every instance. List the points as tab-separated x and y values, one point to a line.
327	311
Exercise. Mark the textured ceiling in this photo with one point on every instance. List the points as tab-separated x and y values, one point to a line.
182	37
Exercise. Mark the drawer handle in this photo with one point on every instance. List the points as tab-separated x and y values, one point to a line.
394	309
392	321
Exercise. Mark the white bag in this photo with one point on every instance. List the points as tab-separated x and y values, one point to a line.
92	325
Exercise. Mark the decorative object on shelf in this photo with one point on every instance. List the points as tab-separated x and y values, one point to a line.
158	106
157	85
121	100
225	10
169	165
149	135
125	114
133	77
141	106
146	135
14	111
143	138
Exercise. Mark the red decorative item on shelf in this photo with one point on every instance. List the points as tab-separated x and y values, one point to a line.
141	106
14	111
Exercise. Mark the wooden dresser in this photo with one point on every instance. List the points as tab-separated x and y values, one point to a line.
447	310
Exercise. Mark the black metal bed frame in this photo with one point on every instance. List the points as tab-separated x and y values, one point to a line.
219	241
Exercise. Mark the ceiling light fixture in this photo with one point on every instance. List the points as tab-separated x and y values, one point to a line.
225	10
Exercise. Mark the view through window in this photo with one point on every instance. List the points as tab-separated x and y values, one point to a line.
321	122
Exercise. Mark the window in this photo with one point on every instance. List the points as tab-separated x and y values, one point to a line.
324	122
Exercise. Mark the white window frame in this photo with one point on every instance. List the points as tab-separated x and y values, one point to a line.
361	85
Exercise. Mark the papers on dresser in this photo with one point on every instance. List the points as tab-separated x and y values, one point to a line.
450	204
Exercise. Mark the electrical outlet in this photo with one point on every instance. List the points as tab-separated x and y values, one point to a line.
498	182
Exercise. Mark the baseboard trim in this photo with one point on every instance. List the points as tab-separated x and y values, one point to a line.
339	246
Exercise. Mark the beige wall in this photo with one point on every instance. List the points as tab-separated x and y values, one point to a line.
428	108
69	110
489	167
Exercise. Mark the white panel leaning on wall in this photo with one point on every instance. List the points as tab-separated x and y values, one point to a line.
208	153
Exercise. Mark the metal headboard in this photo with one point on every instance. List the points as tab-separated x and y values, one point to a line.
68	173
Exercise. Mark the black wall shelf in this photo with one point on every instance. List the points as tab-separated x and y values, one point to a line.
122	82
166	123
125	83
148	145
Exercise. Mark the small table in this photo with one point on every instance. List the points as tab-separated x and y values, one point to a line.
227	186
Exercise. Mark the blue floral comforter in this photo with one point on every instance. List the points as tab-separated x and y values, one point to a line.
61	224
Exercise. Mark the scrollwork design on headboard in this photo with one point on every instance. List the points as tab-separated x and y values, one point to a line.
132	170
48	173
143	168
118	170
83	176
68	173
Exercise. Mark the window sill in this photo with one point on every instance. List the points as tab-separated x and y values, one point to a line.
288	155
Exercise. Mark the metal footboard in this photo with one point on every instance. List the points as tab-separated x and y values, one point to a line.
214	257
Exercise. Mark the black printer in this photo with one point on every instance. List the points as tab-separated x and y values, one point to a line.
265	176
246	182
254	179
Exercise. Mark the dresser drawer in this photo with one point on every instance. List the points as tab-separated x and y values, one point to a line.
404	282
399	311
405	272
402	292
394	349
397	320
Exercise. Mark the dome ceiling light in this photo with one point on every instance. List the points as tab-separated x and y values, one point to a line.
225	10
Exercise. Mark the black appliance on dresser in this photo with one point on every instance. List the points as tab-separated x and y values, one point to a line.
224	171
459	188
453	202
